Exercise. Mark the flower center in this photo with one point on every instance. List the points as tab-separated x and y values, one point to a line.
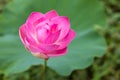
54	28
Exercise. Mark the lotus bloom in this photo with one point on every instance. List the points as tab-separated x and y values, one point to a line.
46	35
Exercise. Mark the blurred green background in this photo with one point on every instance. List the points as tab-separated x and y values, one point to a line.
93	21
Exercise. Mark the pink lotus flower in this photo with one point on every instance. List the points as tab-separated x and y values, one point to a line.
46	35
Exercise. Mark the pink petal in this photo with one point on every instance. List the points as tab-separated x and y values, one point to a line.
26	35
37	53
48	47
34	16
22	33
39	21
51	14
67	39
25	40
53	28
28	40
56	53
34	49
52	37
42	34
34	19
63	25
29	27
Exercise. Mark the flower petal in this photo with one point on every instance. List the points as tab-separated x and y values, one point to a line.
48	47
67	39
56	53
34	16
51	14
28	40
52	37
42	34
63	25
22	33
33	20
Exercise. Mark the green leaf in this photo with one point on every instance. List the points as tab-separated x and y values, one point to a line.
87	45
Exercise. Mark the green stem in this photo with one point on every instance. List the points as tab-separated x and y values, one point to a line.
44	70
